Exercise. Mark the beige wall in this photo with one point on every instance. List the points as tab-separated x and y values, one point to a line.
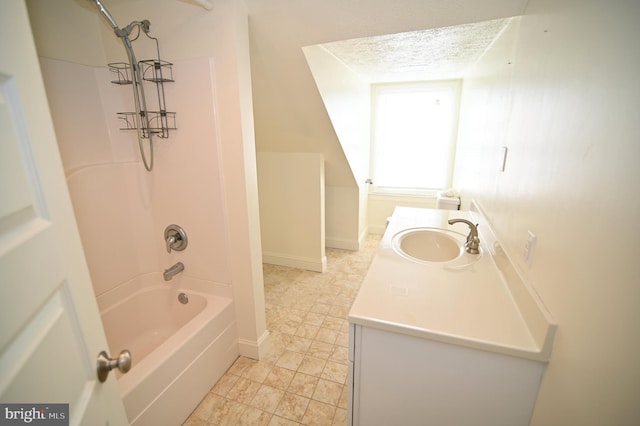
205	175
346	98
292	208
562	94
381	208
69	31
343	209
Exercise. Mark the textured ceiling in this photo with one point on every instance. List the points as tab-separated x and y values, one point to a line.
434	54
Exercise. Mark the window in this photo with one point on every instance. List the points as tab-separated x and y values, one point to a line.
413	136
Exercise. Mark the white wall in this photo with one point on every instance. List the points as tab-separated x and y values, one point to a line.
346	98
289	113
562	94
344	209
292	206
381	208
204	178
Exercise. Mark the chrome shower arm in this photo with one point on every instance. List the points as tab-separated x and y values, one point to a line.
120	32
107	16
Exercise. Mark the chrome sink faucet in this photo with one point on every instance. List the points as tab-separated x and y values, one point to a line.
473	241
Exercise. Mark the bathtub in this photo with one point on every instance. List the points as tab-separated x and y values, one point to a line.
179	351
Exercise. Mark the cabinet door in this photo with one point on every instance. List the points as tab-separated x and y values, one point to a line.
400	379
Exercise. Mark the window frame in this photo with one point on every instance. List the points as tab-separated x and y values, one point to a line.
377	88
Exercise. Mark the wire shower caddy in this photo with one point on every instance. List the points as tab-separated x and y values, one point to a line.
155	71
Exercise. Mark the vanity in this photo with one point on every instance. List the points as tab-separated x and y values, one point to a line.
440	336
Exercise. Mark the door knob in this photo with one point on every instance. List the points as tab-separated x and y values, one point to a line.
106	364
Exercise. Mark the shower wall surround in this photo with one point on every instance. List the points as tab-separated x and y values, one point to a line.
122	210
204	175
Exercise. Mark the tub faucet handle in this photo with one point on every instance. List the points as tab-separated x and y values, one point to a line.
175	238
170	242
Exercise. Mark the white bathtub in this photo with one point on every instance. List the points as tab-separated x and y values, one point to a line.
179	350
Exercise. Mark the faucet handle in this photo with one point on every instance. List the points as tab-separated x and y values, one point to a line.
473	244
170	242
473	241
175	238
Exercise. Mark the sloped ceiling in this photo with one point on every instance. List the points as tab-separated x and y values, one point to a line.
433	54
289	114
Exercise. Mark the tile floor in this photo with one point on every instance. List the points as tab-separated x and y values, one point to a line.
302	380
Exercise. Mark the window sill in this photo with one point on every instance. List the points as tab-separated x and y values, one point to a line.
429	193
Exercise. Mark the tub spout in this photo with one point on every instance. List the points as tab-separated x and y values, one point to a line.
175	269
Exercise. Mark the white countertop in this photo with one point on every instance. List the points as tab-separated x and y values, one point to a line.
472	305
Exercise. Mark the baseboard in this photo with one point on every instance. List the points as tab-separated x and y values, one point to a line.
318	265
377	229
338	243
353	245
255	349
362	238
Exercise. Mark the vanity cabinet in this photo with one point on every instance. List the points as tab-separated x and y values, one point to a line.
398	379
444	342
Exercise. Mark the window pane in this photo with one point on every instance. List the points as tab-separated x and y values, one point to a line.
413	136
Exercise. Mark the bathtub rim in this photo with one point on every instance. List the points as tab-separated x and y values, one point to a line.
120	293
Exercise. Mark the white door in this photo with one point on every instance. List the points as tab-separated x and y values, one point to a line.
50	329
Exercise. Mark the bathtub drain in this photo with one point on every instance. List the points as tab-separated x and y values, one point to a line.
183	298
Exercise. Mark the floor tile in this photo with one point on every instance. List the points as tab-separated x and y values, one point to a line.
340	418
280	421
257	372
299	343
327	335
335	372
254	417
267	398
319	414
279	378
292	406
327	392
312	366
303	385
207	406
339	354
225	384
243	391
320	349
301	381
240	365
227	413
290	360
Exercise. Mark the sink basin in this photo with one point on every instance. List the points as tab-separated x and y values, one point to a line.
429	244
